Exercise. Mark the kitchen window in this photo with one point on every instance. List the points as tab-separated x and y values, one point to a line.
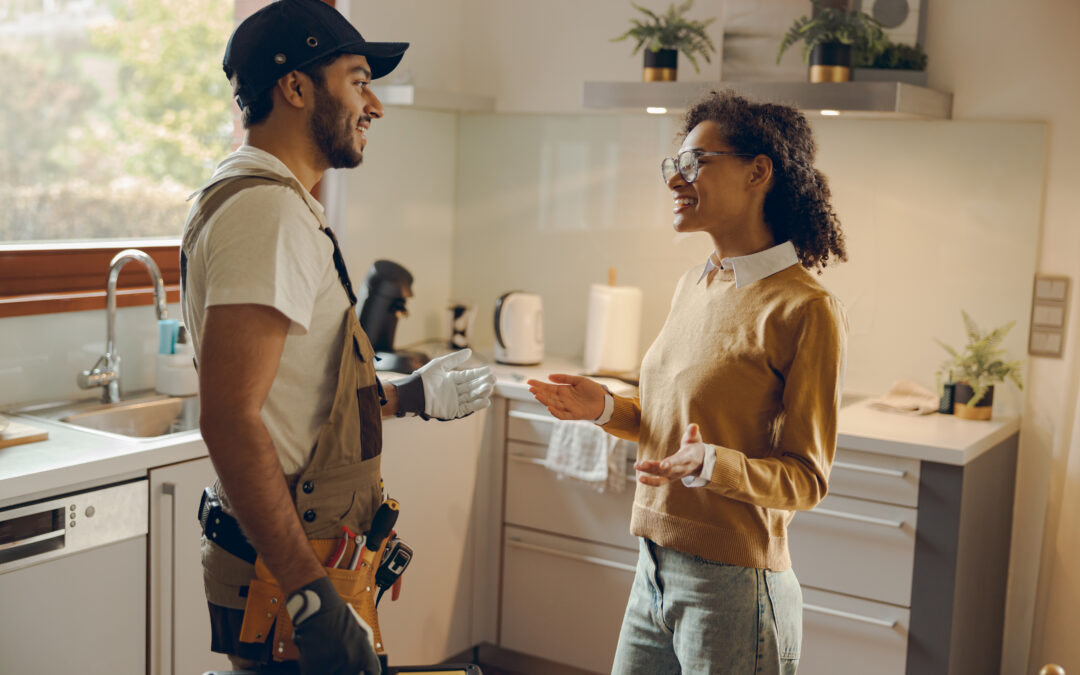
116	111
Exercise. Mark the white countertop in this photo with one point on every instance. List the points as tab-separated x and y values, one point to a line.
72	459
935	437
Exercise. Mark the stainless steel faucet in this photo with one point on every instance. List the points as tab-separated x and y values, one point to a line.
106	372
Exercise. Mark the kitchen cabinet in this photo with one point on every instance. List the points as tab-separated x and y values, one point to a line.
568	556
431	469
179	621
904	564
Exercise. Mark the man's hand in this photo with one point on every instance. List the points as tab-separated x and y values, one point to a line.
686	462
332	637
571	397
437	390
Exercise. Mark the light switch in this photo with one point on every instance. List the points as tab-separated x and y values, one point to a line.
1048	315
1049	306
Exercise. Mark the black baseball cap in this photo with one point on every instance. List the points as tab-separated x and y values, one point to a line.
290	34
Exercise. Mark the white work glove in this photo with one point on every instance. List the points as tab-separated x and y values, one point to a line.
437	390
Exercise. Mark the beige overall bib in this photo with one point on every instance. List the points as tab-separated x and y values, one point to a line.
340	485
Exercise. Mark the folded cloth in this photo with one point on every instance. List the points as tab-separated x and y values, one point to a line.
909	398
585	452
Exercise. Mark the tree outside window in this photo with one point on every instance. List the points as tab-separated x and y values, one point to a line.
116	110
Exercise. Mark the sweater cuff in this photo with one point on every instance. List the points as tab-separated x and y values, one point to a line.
728	469
702	479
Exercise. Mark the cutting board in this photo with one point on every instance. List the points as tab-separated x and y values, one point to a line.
17	433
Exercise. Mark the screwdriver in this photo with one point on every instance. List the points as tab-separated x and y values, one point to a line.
381	525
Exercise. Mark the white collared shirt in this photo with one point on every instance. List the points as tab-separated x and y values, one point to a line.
756	266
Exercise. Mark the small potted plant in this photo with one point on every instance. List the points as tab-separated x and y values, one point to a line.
830	37
976	368
664	36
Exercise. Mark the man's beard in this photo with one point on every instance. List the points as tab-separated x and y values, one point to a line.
333	131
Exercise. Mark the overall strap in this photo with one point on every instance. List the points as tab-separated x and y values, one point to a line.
339	265
223	191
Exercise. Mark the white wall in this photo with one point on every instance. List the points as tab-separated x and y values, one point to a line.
399	206
1025	72
40	356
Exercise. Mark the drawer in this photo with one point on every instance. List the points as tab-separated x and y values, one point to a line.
536	497
855	547
528	421
564	599
882	478
850	636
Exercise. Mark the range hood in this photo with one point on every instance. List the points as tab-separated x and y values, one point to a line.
893	100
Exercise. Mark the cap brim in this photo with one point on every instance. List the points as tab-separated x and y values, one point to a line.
383	57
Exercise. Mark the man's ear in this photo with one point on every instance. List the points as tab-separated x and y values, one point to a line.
761	170
293	89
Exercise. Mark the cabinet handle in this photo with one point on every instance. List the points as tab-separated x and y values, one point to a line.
525	459
860	518
885	623
535	417
895	473
592	560
169	490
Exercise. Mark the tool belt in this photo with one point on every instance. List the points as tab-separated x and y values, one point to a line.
265	616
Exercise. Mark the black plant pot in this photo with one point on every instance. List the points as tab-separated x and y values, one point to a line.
660	66
830	62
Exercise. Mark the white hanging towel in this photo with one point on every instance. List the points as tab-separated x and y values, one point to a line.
583	451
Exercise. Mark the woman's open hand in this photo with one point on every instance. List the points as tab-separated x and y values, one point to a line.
686	462
571	397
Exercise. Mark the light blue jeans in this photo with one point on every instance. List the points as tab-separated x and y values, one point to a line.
691	615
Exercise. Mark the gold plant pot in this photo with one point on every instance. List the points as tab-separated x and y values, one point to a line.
983	410
830	62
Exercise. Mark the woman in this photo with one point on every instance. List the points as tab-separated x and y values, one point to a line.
736	420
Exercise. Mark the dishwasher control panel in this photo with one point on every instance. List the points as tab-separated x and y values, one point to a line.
39	531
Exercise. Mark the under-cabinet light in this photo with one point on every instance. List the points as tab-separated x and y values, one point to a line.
656	111
830	113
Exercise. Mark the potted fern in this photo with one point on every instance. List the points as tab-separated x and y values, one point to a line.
664	36
833	39
976	368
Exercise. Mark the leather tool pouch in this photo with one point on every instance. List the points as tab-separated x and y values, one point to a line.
265	616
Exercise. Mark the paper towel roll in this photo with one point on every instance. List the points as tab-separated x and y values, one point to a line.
612	328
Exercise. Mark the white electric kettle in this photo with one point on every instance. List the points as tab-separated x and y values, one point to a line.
519	329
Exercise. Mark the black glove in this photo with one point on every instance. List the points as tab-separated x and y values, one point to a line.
332	638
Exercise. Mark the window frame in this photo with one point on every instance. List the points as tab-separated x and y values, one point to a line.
54	277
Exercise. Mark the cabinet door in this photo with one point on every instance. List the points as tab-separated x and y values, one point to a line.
851	636
179	621
856	547
431	468
564	599
537	497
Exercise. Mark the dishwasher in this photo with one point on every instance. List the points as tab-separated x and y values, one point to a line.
73	582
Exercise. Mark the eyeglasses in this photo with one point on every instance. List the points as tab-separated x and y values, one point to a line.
687	165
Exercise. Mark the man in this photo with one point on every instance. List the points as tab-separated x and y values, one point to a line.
291	409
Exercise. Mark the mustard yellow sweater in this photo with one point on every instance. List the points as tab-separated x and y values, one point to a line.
760	370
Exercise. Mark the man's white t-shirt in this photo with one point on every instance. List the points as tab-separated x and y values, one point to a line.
264	247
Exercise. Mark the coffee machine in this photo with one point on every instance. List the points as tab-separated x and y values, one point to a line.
388	285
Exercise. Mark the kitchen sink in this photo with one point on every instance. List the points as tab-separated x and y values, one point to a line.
149	415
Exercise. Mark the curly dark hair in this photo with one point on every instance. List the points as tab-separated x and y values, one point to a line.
797	206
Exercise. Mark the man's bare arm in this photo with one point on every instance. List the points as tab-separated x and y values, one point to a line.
241	350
